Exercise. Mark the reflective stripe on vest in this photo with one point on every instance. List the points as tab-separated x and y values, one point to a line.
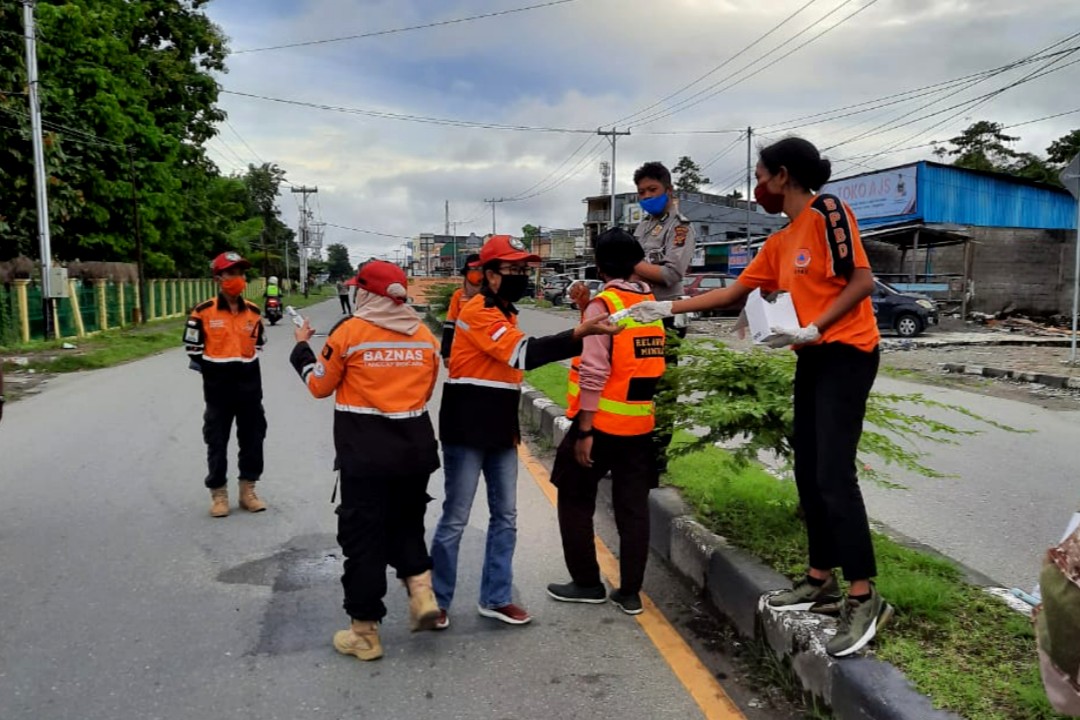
632	361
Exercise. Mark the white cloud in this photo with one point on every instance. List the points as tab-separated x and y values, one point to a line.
591	62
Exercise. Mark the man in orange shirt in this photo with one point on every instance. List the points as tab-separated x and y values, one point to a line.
223	337
381	363
820	260
472	277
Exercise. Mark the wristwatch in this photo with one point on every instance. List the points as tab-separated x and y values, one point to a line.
585	433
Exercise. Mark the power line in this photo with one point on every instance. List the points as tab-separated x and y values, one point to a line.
719	67
709	93
367	232
410	28
425	119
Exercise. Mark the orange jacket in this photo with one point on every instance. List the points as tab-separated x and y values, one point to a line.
381	381
225	346
637	363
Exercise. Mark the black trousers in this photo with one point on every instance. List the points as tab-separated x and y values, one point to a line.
832	383
631	462
380	523
250	419
345	308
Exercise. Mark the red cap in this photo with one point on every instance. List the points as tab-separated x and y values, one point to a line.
227	260
504	247
384	278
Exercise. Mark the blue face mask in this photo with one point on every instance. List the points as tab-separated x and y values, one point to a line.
654	205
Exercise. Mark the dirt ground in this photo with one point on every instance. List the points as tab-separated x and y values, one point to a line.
911	360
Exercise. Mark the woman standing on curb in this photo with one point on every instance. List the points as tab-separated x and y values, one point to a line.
819	259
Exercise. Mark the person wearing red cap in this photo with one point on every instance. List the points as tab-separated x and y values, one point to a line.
478	423
472	277
381	363
223	337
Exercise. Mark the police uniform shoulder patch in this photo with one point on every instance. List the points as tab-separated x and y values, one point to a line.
681	234
681	218
204	305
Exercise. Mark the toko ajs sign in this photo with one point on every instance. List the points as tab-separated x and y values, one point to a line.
883	194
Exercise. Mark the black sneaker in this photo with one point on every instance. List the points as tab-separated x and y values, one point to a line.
572	592
628	603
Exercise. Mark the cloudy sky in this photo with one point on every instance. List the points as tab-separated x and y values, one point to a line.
583	64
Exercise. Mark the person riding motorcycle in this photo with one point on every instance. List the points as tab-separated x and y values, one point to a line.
272	306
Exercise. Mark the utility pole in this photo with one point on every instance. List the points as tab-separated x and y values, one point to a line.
749	178
140	318
304	191
447	217
39	168
493	201
613	137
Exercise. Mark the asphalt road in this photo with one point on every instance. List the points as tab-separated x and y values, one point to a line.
1011	495
121	597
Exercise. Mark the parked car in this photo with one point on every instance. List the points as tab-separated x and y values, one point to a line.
695	285
594	286
553	288
909	314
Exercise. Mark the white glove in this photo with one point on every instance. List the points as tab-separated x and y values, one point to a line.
651	311
782	337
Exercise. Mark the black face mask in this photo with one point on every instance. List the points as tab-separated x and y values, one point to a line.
512	288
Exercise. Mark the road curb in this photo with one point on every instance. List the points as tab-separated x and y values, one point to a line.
859	688
1061	382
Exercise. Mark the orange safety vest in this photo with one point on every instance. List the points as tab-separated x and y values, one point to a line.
374	371
637	363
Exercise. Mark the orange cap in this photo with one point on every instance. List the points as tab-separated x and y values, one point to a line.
504	247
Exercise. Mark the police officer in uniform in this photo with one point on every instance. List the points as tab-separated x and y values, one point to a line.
668	240
223	337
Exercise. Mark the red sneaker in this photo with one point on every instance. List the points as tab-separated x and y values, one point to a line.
442	622
510	614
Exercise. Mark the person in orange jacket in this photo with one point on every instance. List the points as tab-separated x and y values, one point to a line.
472	278
478	423
610	401
381	364
224	336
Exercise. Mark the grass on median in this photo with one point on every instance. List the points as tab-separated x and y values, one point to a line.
967	651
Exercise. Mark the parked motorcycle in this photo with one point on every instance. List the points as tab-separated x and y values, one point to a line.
273	310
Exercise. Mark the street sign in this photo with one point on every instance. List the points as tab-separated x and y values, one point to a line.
1070	177
738	258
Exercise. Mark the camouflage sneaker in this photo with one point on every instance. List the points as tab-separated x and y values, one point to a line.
805	596
859	623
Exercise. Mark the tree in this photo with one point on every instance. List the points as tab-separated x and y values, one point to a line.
982	146
1064	149
688	175
734	195
337	262
529	234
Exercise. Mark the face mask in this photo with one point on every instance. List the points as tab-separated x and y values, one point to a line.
654	205
769	201
233	286
474	277
512	287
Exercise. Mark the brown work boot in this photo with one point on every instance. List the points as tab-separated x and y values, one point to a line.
248	499
361	640
219	498
423	610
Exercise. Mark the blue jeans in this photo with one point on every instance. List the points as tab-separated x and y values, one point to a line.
461	467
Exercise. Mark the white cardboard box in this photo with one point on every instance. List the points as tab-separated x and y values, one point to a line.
763	315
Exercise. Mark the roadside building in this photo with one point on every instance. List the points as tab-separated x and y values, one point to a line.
977	240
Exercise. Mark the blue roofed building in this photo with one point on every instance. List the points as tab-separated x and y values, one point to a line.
984	241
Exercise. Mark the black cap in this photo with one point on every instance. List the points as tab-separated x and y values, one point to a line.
472	262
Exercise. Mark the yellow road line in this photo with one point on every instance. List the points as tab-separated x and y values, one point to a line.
684	662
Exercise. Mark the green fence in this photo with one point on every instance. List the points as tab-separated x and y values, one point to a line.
9	316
